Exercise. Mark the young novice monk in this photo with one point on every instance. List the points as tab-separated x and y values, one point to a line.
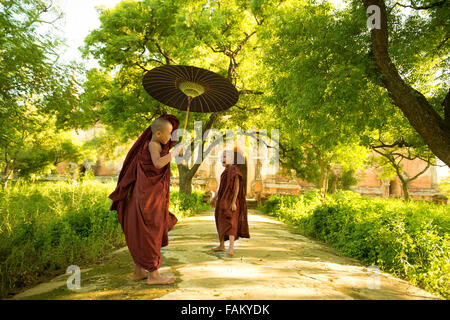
231	206
141	198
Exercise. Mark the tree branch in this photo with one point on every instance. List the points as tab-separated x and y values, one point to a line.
420	173
215	50
245	91
433	5
240	45
143	68
443	42
166	56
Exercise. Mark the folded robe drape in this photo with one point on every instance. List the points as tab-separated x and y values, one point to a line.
141	200
230	222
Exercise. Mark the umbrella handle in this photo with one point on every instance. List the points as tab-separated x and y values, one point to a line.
187	114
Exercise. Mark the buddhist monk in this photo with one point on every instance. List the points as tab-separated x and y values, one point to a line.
141	197
231	206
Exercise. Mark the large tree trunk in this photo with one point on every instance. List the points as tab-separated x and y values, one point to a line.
424	119
185	179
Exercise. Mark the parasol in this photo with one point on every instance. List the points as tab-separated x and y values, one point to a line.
190	88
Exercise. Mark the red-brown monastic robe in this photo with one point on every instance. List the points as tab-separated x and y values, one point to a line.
228	222
141	200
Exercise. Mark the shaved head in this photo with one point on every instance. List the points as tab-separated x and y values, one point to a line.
160	124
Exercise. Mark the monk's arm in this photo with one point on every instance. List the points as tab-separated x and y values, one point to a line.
155	151
236	189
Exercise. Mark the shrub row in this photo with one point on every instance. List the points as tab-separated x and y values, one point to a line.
407	239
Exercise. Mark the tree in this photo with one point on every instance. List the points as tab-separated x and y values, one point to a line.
396	141
44	148
30	76
318	87
393	155
323	74
399	49
134	37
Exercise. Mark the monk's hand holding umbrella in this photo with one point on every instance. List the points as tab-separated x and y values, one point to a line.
177	150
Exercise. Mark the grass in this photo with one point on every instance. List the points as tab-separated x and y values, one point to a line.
47	226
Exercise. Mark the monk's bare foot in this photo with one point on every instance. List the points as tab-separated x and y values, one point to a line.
218	248
140	274
156	278
230	253
139	277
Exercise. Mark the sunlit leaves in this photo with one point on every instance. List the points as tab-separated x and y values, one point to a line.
36	91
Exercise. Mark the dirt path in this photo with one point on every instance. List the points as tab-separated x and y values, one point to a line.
275	263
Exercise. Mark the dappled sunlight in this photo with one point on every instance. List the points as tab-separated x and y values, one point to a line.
251	218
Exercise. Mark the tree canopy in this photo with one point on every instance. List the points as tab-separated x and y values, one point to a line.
334	88
34	87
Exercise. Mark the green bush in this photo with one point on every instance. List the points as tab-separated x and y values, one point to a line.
183	206
47	226
408	239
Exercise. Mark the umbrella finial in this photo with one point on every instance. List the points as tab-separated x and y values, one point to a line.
191	89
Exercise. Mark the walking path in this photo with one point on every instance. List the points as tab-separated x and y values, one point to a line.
275	263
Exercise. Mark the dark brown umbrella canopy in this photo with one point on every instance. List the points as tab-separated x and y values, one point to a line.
173	84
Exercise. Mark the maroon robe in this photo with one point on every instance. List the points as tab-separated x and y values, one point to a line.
141	200
230	222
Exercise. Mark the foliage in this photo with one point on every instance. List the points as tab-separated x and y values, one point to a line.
444	186
137	36
182	205
33	85
319	88
329	98
408	239
417	46
410	52
44	149
342	180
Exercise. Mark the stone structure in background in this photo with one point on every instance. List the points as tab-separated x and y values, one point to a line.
261	185
261	182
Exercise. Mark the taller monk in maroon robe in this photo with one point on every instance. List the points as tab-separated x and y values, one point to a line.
141	198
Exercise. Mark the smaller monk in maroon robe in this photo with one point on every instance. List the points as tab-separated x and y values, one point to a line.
231	206
141	198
